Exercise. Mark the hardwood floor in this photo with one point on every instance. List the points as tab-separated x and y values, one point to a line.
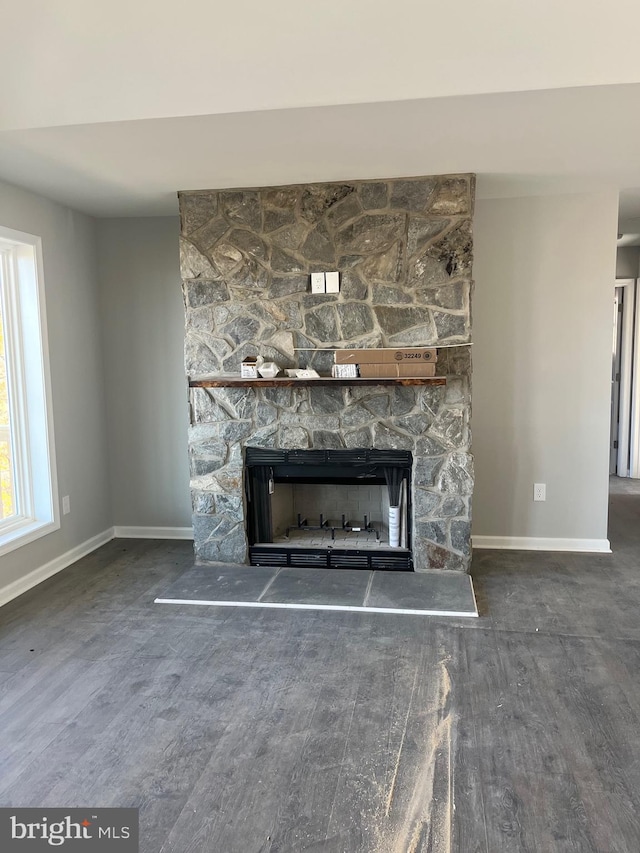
278	731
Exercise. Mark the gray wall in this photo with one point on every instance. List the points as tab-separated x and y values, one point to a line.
544	270
143	329
627	262
541	360
68	245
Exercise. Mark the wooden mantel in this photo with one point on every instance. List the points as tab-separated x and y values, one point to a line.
234	381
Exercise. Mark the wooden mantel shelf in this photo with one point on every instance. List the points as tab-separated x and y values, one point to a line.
234	381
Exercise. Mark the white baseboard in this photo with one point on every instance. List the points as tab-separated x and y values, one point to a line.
17	587
153	532
531	543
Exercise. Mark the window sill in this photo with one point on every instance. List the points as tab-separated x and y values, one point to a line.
24	531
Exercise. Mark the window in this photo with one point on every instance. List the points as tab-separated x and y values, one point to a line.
27	462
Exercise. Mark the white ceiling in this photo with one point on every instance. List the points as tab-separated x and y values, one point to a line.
112	107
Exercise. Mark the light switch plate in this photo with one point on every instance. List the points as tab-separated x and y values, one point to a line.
332	282
317	282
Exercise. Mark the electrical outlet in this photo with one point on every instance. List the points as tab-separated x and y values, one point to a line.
539	491
66	505
317	282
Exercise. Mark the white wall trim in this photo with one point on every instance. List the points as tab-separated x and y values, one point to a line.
153	532
634	439
23	584
626	375
29	381
531	543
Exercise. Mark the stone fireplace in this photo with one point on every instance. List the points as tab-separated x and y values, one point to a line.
404	252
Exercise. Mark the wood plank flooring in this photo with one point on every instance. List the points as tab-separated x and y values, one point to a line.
277	731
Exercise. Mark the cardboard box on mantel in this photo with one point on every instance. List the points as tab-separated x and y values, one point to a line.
406	369
386	355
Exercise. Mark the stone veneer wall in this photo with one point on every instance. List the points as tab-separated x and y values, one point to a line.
404	251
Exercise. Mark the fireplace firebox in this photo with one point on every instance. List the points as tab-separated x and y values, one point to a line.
334	509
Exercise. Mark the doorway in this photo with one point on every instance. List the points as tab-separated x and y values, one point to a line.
624	458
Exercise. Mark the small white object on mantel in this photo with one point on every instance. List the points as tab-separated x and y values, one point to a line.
250	365
302	373
344	371
269	370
